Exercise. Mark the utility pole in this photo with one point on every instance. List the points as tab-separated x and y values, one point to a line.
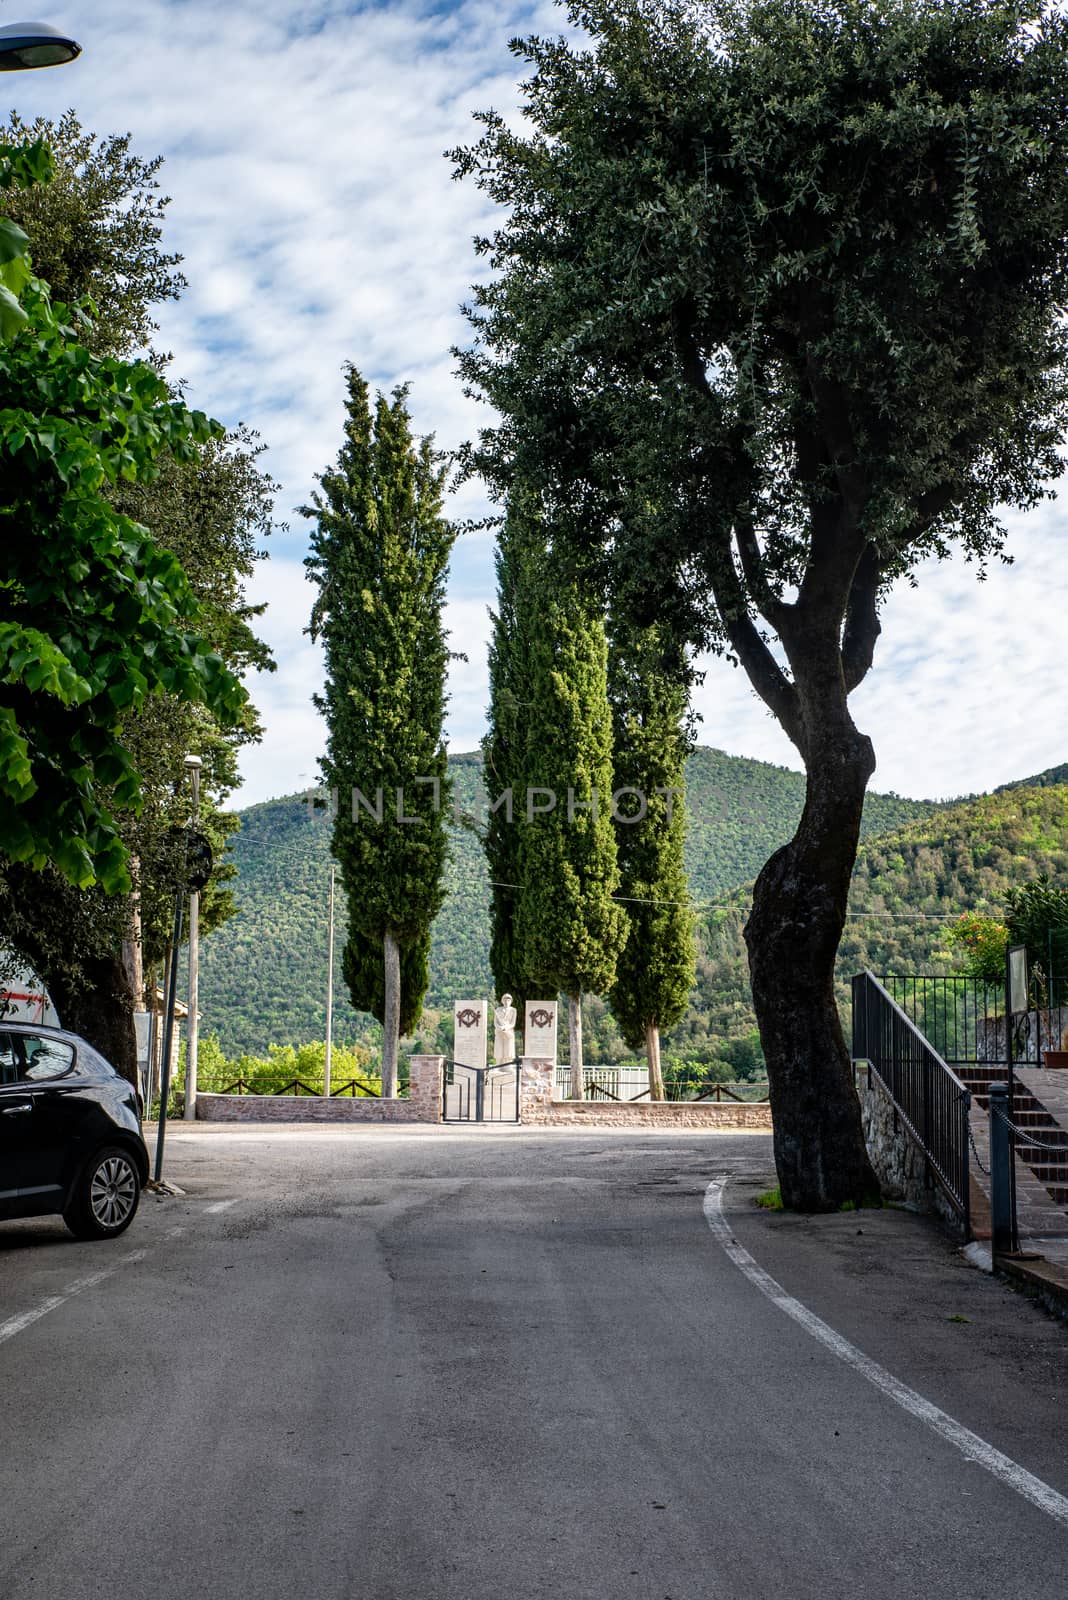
193	765
329	988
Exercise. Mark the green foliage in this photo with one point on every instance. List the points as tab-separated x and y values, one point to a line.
1038	918
380	553
293	1069
983	942
770	1200
363	969
778	256
95	616
506	748
909	890
549	839
648	693
568	927
96	228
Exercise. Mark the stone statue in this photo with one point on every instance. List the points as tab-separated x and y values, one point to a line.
504	1019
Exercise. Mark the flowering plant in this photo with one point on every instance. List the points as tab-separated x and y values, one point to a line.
981	943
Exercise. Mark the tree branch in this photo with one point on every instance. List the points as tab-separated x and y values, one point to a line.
755	573
862	626
760	666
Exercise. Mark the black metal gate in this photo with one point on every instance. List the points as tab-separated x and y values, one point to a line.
480	1094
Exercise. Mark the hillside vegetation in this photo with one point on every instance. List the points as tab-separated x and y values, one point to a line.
263	974
907	887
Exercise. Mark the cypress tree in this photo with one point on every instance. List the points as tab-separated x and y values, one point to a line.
505	746
380	554
566	928
656	970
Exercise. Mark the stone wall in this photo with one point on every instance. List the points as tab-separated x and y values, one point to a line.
1037	1031
537	1078
423	1103
705	1114
899	1163
537	1108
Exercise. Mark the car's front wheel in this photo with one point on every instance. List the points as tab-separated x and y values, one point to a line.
105	1197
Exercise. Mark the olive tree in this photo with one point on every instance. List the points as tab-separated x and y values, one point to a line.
775	314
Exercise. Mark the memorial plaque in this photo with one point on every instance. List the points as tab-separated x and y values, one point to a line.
539	1031
469	1033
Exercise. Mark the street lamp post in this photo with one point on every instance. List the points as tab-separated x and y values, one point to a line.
193	765
26	45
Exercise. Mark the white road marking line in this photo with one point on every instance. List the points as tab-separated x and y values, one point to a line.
24	1319
968	1443
219	1205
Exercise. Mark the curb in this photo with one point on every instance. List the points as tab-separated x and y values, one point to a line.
1047	1282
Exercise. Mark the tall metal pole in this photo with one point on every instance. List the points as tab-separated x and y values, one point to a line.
193	765
168	1035
329	989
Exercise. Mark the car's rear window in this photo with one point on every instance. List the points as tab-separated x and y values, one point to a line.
33	1058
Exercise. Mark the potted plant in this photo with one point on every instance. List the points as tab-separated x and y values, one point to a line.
1057	1058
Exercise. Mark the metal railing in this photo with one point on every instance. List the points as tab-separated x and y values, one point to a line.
962	1018
352	1086
926	1093
612	1083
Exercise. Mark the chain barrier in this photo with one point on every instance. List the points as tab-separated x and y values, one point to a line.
1024	1137
978	1161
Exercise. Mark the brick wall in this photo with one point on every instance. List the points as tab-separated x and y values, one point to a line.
422	1105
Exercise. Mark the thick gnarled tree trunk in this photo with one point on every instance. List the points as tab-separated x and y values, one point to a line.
793	931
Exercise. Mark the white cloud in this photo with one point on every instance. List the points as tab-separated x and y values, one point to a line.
319	224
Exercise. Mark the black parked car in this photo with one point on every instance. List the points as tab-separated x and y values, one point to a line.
70	1134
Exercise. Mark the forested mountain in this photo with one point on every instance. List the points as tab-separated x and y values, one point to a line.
1044	780
263	974
908	886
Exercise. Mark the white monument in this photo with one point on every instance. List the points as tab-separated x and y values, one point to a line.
504	1021
539	1031
469	1033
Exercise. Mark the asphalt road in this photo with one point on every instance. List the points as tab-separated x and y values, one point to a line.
487	1364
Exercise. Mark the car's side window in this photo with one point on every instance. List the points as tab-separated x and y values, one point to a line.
42	1058
9	1071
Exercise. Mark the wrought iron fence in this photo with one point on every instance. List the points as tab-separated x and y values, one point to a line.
963	1019
930	1099
351	1086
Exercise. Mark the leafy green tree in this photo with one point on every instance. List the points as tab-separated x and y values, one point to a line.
1037	916
380	554
96	229
647	684
567	928
95	616
776	316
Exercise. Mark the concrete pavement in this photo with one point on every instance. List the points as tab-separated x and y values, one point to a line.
423	1364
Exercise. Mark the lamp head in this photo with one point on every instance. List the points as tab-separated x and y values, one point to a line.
24	45
193	763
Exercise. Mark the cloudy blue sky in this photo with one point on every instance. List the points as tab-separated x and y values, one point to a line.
320	224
